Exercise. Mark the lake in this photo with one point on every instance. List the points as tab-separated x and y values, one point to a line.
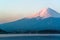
30	37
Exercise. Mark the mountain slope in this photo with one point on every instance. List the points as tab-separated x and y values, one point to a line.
23	24
3	31
48	23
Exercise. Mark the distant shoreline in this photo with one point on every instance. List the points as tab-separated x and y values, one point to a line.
13	35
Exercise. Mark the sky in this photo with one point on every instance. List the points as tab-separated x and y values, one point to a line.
16	9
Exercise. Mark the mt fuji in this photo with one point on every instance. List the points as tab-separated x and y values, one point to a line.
48	19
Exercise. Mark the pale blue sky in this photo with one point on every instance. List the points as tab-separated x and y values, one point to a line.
25	7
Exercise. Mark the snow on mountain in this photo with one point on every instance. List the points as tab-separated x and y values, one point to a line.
45	13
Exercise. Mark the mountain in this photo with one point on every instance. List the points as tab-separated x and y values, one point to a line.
46	19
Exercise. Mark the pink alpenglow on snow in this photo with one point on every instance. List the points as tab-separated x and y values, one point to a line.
45	13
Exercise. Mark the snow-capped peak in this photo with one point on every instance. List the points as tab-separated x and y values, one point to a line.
45	13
